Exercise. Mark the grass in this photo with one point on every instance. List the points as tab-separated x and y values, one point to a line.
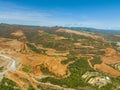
27	69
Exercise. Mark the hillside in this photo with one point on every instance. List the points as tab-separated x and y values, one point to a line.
57	58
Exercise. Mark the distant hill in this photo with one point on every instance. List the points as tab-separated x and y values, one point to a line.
93	30
108	34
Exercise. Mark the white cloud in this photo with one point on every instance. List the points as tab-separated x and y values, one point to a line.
15	14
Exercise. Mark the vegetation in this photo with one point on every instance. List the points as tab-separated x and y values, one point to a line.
1	68
45	36
45	70
77	69
71	58
96	60
30	88
7	84
27	69
33	48
45	87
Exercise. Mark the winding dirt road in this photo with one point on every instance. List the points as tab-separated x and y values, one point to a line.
11	66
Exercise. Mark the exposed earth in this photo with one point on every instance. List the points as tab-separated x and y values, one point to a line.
56	58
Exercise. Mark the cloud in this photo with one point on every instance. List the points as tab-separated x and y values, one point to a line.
13	13
16	14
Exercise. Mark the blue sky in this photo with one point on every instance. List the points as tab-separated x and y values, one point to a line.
82	13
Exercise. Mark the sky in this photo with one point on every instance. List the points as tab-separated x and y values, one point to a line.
104	14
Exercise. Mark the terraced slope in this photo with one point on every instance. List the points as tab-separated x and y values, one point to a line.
56	58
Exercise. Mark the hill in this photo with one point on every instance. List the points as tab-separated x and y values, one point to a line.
58	58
